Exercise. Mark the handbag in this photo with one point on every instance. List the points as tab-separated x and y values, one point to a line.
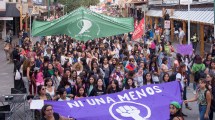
17	75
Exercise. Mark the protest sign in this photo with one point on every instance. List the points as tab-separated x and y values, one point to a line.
184	49
167	24
149	102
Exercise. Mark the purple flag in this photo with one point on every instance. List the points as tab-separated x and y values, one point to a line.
149	102
184	49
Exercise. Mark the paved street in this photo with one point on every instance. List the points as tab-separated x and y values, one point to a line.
6	72
6	78
192	114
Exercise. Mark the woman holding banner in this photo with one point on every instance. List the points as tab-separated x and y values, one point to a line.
182	78
49	114
175	111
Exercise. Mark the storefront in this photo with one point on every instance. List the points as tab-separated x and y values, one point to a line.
9	20
201	23
134	9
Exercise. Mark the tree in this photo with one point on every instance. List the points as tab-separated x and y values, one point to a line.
71	5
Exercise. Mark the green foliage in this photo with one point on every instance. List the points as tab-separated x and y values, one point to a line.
71	5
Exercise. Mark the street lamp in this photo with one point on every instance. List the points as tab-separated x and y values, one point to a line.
30	12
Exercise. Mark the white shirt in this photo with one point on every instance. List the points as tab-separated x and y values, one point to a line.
181	34
167	31
129	48
52	93
62	60
67	99
181	78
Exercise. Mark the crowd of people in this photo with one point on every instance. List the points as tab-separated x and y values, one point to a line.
60	68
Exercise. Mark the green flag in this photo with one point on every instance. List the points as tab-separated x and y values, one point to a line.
84	24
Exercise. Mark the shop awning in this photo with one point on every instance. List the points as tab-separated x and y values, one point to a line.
203	16
154	13
11	11
195	16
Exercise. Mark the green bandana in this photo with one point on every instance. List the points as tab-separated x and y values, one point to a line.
176	104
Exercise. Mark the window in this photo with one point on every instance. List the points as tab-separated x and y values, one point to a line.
10	0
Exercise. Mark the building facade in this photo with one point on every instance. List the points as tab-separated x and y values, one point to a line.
201	16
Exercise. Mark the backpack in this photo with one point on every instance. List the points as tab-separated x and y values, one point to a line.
173	76
199	74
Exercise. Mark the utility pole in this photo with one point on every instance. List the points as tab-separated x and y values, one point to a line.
48	8
66	6
188	22
30	13
20	11
214	19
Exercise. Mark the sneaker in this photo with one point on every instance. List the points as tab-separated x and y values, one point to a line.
194	92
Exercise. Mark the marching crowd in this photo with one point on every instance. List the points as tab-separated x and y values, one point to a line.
60	68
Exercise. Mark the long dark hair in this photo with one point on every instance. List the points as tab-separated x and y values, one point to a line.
177	114
212	81
179	58
39	89
145	81
164	60
103	87
126	84
198	59
111	88
150	66
44	109
213	61
47	80
180	69
78	94
165	75
187	56
64	81
88	81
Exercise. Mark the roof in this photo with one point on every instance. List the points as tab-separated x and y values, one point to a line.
11	11
196	15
